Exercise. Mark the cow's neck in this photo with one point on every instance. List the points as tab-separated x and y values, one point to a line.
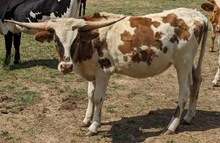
83	63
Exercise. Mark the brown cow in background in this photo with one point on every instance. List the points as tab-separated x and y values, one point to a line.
214	8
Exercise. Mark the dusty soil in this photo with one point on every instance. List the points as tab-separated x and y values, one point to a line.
135	110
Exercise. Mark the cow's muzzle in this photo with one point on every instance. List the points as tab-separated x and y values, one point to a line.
217	29
66	68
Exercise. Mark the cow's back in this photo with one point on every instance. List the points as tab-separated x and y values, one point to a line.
42	10
8	5
35	11
6	12
147	45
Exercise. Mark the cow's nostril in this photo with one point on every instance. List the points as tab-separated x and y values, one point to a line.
62	66
71	66
217	28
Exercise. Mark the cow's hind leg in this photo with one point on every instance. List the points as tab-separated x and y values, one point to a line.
90	108
8	45
197	79
17	41
184	72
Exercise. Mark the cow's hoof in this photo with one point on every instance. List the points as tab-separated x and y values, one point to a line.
16	62
188	121
90	133
85	125
168	132
7	62
211	50
214	84
184	122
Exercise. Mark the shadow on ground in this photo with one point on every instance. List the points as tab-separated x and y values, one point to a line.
50	63
135	129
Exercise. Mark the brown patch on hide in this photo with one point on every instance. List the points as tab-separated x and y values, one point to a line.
144	36
100	46
129	43
59	48
174	39
81	50
96	17
104	63
198	30
165	49
144	56
181	29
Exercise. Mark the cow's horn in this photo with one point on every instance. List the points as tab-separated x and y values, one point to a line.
35	26
90	25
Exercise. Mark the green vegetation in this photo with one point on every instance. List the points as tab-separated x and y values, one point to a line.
26	97
110	108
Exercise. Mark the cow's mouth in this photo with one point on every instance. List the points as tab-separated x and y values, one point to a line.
66	68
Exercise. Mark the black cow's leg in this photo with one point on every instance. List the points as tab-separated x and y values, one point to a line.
17	41
8	45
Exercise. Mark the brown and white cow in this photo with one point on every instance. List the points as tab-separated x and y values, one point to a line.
214	8
136	46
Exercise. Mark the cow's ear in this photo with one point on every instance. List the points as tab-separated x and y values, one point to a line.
43	36
89	35
207	7
212	1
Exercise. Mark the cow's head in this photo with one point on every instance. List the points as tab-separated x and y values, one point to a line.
214	8
68	34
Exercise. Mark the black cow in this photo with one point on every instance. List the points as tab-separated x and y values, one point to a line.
32	11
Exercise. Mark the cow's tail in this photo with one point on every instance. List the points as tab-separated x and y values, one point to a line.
198	70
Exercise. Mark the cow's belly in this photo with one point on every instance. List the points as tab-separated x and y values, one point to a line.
144	65
143	70
5	27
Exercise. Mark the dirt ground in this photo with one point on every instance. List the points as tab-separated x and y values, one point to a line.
135	110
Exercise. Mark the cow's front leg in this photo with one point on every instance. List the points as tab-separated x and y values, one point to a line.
90	108
184	79
17	41
101	83
8	45
213	42
217	75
